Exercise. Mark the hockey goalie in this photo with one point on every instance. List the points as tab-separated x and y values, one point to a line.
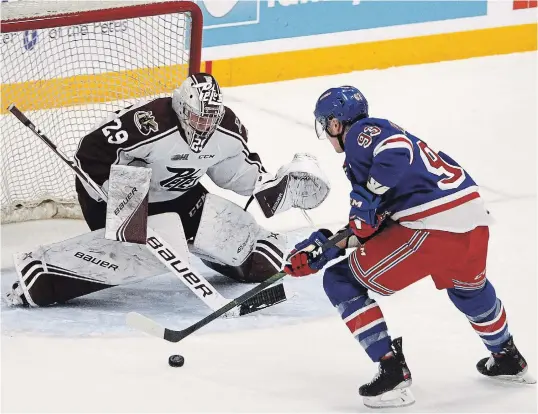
169	144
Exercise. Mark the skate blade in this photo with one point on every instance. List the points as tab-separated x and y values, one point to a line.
395	398
521	378
12	301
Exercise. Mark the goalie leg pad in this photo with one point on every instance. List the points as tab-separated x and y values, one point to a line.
85	264
266	259
226	233
44	284
230	241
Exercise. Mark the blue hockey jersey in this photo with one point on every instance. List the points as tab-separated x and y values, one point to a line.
420	188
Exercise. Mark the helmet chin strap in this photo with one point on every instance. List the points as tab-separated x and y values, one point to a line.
339	137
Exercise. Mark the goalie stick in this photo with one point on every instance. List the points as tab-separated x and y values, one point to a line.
149	326
203	289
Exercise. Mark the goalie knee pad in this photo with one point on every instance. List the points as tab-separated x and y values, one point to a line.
266	259
230	241
226	233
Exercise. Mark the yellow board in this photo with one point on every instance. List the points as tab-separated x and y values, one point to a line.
85	89
375	55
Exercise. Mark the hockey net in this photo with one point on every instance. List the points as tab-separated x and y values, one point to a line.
68	65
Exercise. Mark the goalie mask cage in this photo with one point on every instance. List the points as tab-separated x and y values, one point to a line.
68	70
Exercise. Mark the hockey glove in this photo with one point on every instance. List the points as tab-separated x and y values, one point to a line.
363	217
307	257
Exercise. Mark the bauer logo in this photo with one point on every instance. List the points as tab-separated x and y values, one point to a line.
227	13
123	203
29	39
96	261
181	269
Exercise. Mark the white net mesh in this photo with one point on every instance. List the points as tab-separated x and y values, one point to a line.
68	78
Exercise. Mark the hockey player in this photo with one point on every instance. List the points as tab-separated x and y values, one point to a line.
182	138
414	212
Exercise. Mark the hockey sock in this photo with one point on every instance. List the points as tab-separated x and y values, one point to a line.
486	314
361	314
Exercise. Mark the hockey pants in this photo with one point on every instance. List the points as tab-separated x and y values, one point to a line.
397	258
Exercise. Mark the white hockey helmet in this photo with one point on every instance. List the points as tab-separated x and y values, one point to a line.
198	105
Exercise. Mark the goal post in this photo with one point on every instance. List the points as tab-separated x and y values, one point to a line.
69	65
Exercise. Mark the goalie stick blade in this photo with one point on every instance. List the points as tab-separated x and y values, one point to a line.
269	297
144	324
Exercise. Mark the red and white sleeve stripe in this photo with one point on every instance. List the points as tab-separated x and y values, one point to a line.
395	141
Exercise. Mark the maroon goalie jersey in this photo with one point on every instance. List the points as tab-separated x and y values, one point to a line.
147	134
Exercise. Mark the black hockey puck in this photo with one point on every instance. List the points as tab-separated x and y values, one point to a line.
176	361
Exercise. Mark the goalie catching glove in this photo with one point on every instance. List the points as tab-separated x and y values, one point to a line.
300	184
307	257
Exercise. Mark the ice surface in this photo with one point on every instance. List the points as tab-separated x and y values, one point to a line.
298	356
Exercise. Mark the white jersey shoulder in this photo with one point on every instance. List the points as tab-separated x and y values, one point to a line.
148	134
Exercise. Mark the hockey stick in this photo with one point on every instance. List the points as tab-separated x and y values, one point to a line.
149	326
159	247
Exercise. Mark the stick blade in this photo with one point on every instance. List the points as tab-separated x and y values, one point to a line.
140	322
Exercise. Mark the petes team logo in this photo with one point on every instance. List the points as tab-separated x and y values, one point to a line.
182	180
145	122
209	94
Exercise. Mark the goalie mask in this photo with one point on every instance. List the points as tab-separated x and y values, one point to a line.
198	105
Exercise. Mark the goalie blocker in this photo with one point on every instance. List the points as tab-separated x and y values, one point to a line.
127	207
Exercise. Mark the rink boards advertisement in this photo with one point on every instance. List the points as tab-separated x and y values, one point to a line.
248	42
235	22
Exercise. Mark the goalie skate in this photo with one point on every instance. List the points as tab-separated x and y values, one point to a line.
15	297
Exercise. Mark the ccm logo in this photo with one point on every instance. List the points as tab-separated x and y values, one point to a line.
355	203
178	266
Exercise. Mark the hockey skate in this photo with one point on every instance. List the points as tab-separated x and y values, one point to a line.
390	386
15	297
508	365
